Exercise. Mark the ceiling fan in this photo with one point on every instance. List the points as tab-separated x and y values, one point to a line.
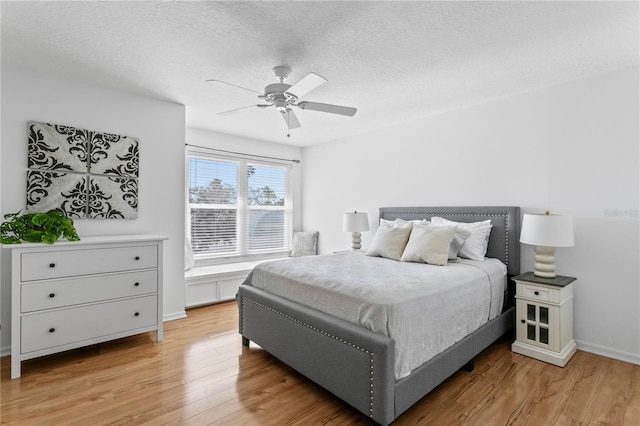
283	96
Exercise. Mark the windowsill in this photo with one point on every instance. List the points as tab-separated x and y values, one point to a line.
203	261
224	268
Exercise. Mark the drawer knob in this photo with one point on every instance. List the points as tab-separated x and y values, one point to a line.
52	295
137	257
537	293
51	330
137	314
52	265
137	284
523	321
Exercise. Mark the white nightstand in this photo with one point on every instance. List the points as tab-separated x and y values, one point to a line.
544	318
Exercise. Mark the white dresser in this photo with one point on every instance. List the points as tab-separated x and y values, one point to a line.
72	294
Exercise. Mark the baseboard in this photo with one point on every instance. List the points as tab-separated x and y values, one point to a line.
608	352
174	316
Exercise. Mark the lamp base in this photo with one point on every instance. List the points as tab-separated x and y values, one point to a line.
545	262
355	241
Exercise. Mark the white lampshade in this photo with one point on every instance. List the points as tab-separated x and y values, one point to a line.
355	222
548	230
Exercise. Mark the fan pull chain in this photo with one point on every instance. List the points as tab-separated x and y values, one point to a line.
288	125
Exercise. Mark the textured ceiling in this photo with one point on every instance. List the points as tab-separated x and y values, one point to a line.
394	61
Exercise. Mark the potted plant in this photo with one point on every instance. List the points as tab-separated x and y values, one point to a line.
37	228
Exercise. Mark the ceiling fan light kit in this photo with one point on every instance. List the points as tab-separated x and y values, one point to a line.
283	96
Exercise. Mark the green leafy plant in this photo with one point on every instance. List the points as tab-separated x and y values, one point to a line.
37	228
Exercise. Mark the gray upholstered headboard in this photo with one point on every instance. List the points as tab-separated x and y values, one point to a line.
505	234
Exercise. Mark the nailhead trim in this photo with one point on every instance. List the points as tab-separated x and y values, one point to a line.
339	339
371	359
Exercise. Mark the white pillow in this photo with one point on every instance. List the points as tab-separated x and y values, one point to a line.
304	244
458	241
475	246
402	221
429	244
390	241
188	255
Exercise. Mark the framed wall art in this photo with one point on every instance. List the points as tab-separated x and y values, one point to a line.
85	173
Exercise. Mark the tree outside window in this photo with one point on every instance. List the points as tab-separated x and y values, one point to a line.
237	207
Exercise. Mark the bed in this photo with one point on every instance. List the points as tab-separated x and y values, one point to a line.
359	365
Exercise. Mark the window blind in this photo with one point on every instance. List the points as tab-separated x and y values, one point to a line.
237	207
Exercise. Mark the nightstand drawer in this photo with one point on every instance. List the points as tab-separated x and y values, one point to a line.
60	327
74	291
539	293
71	263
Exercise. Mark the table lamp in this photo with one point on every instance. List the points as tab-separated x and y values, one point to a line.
355	223
546	232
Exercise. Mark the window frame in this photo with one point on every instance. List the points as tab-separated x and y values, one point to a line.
242	252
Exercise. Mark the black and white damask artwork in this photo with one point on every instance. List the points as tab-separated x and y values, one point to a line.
104	205
56	148
85	173
113	155
48	190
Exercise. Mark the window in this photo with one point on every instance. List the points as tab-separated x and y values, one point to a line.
237	207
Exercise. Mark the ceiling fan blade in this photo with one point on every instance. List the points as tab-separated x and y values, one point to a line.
333	109
231	84
290	118
244	107
307	84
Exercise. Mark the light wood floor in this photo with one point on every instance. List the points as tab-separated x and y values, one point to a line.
201	375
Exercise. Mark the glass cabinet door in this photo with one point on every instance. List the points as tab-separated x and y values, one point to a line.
535	326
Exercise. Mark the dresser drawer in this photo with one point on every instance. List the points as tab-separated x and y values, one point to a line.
74	291
60	327
70	263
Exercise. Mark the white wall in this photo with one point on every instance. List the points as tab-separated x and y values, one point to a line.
243	145
571	149
160	127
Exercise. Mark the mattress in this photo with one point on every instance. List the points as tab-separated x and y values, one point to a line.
424	308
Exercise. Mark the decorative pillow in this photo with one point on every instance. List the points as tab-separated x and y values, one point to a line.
390	241
458	240
429	244
475	246
304	244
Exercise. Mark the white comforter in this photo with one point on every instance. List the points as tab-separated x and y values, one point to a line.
424	308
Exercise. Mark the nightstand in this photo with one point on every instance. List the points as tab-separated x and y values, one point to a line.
544	318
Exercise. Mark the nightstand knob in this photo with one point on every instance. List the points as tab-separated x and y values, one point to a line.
537	293
137	257
523	321
52	265
51	330
136	284
137	314
52	295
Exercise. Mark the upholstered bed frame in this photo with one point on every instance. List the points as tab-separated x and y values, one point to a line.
356	364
